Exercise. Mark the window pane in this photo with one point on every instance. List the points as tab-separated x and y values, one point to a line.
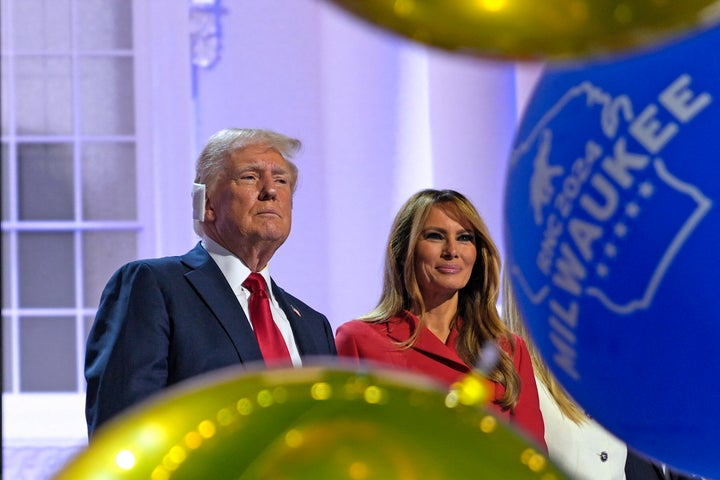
4	153
106	96
104	252
42	24
43	94
87	323
47	270
104	24
45	177
7	354
108	177
5	23
6	269
47	354
5	94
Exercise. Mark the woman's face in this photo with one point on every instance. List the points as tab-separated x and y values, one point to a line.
444	255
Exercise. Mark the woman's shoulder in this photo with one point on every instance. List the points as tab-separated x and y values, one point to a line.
357	326
512	343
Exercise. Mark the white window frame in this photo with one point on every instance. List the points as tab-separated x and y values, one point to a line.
165	136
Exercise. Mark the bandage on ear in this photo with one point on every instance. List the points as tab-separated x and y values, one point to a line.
198	201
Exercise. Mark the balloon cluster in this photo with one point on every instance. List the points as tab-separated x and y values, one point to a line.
310	423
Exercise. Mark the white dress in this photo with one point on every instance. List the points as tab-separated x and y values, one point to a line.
584	452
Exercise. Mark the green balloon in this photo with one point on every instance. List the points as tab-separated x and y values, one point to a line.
316	422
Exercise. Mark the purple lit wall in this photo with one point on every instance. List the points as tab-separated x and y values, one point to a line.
380	118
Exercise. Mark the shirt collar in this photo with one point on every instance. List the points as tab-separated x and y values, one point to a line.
234	270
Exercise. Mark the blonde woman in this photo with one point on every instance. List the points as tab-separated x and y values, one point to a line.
438	306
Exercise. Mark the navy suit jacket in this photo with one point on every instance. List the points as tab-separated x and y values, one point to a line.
161	321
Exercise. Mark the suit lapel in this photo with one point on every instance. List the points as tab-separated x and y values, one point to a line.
213	289
303	336
402	327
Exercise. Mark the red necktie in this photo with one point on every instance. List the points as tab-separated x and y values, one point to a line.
272	343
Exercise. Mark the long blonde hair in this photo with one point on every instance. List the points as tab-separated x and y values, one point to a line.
515	322
477	300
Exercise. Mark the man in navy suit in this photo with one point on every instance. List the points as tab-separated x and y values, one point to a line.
163	320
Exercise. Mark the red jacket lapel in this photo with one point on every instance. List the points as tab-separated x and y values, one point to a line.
401	328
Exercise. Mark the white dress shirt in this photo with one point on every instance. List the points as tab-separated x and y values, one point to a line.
235	272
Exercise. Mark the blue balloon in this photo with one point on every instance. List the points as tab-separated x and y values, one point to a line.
612	223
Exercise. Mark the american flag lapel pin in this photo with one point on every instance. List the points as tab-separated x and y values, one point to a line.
295	310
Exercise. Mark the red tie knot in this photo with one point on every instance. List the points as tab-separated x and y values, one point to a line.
255	283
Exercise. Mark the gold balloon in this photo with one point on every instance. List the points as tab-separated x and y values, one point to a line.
311	423
537	29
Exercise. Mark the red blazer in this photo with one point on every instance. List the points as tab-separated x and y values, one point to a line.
377	342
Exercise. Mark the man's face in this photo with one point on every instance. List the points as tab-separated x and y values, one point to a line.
250	205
